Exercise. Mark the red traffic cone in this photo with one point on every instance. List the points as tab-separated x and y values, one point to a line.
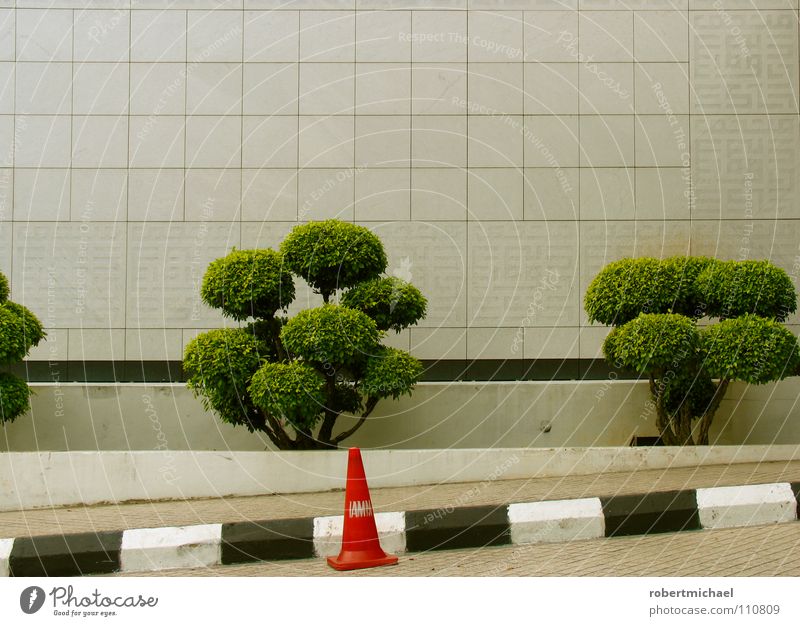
360	545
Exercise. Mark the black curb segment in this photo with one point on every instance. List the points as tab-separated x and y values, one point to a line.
659	512
270	540
66	555
467	527
796	491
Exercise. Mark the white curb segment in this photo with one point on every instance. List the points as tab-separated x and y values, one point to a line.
150	549
749	505
556	521
391	532
5	552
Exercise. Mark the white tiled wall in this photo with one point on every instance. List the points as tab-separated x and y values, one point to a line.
505	150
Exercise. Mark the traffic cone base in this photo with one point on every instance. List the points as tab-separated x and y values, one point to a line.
348	563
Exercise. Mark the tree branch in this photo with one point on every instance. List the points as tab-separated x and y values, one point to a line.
711	409
371	403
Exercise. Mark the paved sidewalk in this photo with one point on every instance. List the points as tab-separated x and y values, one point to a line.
753	551
64	520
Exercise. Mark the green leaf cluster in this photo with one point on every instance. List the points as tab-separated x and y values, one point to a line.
248	283
20	330
292	392
391	372
331	334
652	342
628	287
749	348
333	255
734	288
219	365
392	302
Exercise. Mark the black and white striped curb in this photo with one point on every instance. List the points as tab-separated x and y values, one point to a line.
152	549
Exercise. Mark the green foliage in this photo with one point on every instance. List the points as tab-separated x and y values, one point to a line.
248	283
14	397
652	342
3	288
628	287
19	332
392	302
330	334
292	392
219	365
391	372
735	288
333	255
749	348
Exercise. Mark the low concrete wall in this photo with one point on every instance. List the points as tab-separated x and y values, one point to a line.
437	416
30	480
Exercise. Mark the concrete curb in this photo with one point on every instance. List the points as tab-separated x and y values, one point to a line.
554	521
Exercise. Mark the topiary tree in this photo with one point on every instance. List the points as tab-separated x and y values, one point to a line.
292	378
654	306
19	332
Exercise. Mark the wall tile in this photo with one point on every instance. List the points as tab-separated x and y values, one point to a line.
326	194
439	36
213	195
607	193
158	36
661	36
383	194
271	36
327	88
662	87
495	88
495	36
327	36
102	35
438	88
551	343
495	193
269	141
7	88
383	88
493	343
7	36
606	88
551	88
41	195
214	89
44	35
269	195
551	194
607	141
438	194
158	88
606	35
662	140
663	193
551	141
6	195
439	141
96	344
44	88
439	343
383	141
99	195
495	141
153	344
551	36
99	141
383	36
156	141
100	88
270	89
42	141
327	142
214	36
213	141
155	195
